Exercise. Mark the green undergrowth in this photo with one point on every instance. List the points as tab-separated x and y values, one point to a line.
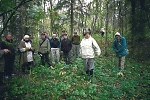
68	82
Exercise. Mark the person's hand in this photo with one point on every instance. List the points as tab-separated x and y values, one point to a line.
98	55
61	51
6	50
27	48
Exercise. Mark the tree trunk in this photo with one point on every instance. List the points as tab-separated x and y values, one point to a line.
72	22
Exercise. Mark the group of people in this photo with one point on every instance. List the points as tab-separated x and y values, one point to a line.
60	48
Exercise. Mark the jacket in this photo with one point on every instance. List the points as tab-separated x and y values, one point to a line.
120	47
52	44
66	45
24	52
75	40
10	45
88	46
45	47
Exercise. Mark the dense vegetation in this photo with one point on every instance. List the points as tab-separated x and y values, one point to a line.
129	17
68	81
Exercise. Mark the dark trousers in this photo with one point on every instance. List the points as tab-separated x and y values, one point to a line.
1	77
67	57
9	65
45	59
26	65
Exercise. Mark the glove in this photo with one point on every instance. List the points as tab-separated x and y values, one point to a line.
27	48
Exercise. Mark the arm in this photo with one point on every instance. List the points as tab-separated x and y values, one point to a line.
21	48
97	48
123	47
48	45
114	46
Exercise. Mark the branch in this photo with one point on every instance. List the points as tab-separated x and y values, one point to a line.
13	8
16	8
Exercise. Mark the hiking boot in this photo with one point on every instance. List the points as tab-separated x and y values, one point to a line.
51	67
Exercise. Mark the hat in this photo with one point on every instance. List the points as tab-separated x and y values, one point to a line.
26	36
63	30
65	34
117	34
42	33
54	35
86	32
75	32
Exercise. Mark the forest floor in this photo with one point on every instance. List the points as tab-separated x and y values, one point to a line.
67	82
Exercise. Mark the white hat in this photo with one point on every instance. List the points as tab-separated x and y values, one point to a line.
117	34
26	36
54	35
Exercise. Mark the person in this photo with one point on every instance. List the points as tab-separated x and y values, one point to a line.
2	52
75	44
60	39
119	46
46	36
44	49
88	46
66	47
26	53
55	45
62	35
102	32
9	57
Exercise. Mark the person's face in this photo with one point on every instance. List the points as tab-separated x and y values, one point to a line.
9	37
54	37
43	36
63	33
65	36
117	37
26	39
87	35
75	34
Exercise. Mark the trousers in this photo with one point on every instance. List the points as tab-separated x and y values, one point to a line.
55	53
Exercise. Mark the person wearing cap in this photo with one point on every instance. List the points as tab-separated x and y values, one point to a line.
102	32
26	49
66	47
55	45
9	57
119	46
88	47
60	39
62	35
44	49
75	44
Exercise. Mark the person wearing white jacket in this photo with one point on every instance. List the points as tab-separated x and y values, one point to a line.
88	46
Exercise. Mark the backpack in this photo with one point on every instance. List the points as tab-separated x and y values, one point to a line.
55	43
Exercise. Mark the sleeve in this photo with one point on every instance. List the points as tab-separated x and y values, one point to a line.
114	46
61	46
80	49
48	45
96	47
70	45
39	46
21	48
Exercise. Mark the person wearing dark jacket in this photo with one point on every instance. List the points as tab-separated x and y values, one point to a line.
9	57
2	52
66	47
55	45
